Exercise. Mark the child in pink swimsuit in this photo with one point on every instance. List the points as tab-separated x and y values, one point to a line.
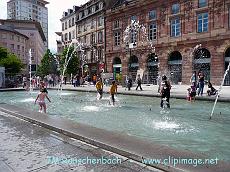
41	99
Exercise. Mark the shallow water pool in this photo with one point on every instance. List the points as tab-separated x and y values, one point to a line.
186	126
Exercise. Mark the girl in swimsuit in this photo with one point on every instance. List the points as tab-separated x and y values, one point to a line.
41	99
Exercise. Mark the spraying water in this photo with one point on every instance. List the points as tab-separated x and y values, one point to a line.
218	93
30	70
68	57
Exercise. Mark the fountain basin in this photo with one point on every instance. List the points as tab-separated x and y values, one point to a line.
184	127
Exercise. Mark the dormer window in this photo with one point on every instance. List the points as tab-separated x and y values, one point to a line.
202	3
152	15
101	5
175	8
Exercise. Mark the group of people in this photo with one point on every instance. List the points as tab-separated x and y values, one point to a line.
129	82
112	91
192	90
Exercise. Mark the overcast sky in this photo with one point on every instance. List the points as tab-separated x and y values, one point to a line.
55	10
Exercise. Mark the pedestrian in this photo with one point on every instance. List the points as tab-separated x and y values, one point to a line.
200	83
113	91
139	82
94	79
193	78
129	83
165	91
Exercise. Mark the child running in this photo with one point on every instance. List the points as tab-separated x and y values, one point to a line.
41	99
99	87
113	90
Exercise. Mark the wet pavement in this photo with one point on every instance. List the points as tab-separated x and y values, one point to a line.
26	147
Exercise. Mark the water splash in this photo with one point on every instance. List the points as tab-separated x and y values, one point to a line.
218	93
28	100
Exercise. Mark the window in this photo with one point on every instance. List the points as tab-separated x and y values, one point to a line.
93	9
73	34
229	17
79	29
175	27
18	47
101	5
175	8
93	38
116	24
12	37
85	28
100	39
73	21
202	3
18	38
66	25
134	18
62	26
69	22
66	36
89	11
100	22
152	15
117	38
202	22
92	24
152	31
12	46
133	36
69	35
3	36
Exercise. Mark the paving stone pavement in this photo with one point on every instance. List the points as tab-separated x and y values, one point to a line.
26	147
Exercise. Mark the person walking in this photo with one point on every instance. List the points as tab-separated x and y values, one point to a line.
99	87
139	82
113	91
165	91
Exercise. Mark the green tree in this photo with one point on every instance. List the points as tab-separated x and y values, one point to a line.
48	65
11	62
73	65
3	53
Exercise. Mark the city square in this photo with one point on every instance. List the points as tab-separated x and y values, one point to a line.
117	85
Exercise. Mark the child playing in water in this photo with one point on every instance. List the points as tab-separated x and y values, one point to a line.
99	87
113	90
41	99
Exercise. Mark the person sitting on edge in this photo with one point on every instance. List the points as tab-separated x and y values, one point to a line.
41	99
211	90
99	87
113	90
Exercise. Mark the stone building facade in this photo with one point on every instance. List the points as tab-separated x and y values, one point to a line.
85	25
34	10
14	41
91	32
34	32
188	35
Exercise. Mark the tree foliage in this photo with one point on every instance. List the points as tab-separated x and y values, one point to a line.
48	65
11	62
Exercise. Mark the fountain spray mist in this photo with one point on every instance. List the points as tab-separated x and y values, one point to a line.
222	83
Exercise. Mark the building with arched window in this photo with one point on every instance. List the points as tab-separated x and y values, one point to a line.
187	35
